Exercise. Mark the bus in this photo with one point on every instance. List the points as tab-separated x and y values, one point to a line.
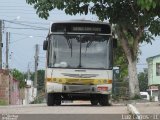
79	58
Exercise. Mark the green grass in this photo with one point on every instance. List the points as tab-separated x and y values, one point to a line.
2	102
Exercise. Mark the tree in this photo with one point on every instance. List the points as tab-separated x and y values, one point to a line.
143	81
120	60
18	76
135	23
40	80
148	4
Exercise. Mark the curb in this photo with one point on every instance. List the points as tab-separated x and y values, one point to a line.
132	109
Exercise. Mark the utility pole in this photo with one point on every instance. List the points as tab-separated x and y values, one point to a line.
28	78
28	73
1	44
36	65
7	49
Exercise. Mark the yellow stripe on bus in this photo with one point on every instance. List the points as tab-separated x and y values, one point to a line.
79	81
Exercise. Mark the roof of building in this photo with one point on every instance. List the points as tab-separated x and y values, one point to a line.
151	58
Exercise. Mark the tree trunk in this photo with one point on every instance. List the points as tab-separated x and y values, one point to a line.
130	48
133	79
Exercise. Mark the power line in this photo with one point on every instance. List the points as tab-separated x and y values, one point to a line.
18	12
8	15
25	24
29	12
6	8
9	6
17	62
18	40
21	34
30	22
42	23
26	28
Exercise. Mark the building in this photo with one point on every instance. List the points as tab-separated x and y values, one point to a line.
30	92
154	75
4	87
14	92
9	89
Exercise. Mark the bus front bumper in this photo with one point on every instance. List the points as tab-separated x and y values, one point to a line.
64	88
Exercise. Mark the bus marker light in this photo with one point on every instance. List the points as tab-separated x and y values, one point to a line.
109	81
102	88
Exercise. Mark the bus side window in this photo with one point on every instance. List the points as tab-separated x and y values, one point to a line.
45	45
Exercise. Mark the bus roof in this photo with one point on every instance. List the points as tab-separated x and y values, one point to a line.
79	26
82	21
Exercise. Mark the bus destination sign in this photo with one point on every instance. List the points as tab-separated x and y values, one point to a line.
81	28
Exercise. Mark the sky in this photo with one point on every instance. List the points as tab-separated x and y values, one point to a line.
27	29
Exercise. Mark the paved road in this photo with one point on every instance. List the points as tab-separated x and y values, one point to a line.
74	111
148	108
75	108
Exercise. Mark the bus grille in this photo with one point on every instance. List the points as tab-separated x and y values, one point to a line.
80	75
79	88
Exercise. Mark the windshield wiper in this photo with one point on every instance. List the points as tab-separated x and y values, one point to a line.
88	45
80	55
54	57
70	45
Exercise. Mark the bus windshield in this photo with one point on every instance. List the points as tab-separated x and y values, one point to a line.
80	51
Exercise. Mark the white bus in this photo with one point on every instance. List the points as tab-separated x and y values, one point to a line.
79	62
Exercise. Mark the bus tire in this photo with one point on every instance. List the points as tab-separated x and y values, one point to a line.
50	99
104	100
58	99
57	102
94	102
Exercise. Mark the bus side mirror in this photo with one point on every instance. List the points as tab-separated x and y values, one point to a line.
114	43
45	45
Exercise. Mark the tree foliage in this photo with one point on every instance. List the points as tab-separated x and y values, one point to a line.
40	80
143	81
148	4
120	60
133	16
135	20
18	76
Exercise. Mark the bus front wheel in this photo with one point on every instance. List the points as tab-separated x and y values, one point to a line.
104	100
50	99
57	99
94	102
